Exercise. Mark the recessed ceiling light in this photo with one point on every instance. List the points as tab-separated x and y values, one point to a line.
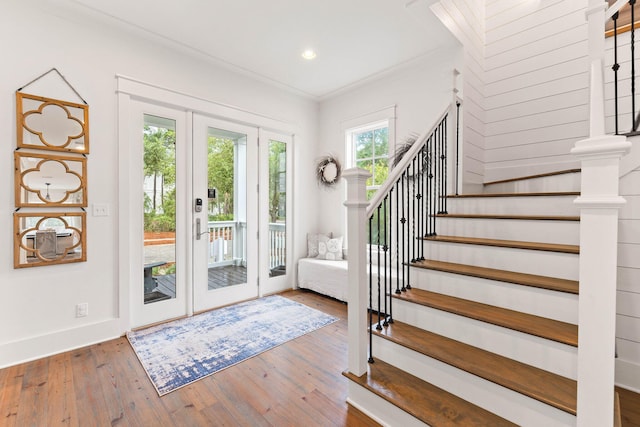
308	54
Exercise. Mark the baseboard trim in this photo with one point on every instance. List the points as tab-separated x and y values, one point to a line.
628	375
33	348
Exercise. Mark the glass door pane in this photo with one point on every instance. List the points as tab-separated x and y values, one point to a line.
225	243
275	204
159	190
277	245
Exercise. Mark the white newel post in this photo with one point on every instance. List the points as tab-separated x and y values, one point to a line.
356	243
599	205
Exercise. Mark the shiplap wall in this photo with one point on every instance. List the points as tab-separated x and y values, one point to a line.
628	301
465	19
536	85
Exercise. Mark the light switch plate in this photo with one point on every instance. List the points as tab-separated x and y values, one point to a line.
100	209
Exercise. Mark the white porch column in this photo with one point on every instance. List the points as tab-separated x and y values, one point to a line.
599	204
356	243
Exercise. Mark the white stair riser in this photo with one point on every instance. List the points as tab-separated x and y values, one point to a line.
545	354
526	299
565	182
533	205
508	404
563	232
543	263
379	409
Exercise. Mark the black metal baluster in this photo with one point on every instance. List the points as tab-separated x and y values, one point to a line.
458	144
404	232
390	247
432	181
411	247
419	195
444	165
386	250
615	68
378	326
414	197
370	240
425	200
633	68
398	260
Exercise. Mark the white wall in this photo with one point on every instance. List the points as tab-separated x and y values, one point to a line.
37	305
420	93
536	85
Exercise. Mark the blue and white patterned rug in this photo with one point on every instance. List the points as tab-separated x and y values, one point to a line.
177	353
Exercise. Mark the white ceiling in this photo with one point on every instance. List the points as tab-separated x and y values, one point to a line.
354	39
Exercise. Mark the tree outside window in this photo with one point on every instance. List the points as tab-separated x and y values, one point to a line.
370	148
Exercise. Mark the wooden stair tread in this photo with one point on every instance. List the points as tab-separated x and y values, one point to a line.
552	389
542	175
532	280
514	194
426	402
539	246
508	216
554	330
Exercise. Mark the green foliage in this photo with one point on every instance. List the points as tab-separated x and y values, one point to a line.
277	180
221	217
159	160
220	165
372	154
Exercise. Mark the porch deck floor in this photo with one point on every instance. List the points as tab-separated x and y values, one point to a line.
218	277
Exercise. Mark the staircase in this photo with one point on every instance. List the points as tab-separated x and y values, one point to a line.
487	334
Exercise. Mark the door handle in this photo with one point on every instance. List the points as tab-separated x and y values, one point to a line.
199	232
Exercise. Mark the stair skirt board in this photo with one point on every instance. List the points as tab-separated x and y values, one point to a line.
515	205
542	353
565	181
379	409
561	232
545	263
540	302
499	400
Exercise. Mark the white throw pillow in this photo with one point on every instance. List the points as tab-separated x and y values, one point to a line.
312	243
330	249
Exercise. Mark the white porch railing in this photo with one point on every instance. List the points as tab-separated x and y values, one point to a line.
277	245
227	243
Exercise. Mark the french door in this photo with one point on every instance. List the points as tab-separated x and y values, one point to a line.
225	217
209	212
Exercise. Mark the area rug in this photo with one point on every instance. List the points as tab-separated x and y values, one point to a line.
177	353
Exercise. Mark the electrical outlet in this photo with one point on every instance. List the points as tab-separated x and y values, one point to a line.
100	209
82	309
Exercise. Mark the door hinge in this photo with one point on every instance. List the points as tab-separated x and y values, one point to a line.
258	281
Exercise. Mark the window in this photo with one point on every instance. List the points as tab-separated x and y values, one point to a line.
369	149
369	144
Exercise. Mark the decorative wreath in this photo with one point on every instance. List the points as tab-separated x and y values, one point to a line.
328	171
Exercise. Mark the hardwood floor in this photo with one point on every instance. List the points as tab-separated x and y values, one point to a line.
298	383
